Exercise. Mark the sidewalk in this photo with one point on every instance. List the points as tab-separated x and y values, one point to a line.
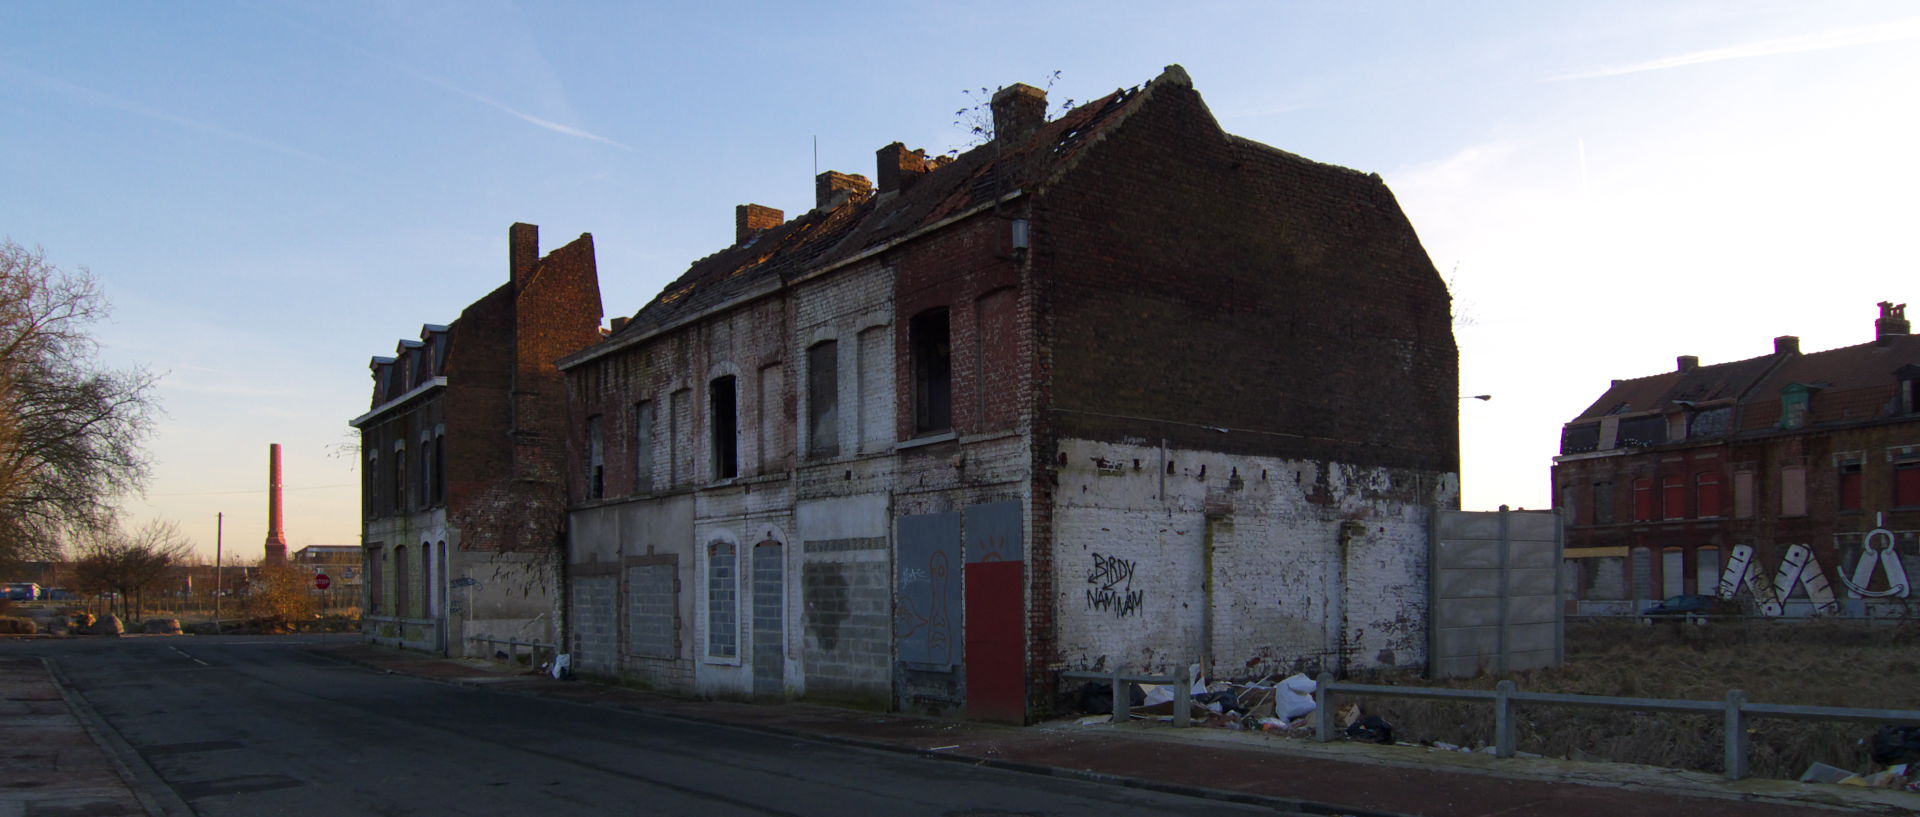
50	761
1332	778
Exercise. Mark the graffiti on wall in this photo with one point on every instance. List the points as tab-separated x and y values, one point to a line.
1799	568
1878	556
1112	590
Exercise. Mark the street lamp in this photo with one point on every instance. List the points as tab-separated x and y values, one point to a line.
1476	397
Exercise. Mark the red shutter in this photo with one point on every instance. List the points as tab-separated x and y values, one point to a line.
1707	501
1642	500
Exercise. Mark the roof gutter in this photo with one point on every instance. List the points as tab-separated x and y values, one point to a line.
416	391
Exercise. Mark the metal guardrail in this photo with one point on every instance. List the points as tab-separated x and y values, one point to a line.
1735	711
1181	680
513	648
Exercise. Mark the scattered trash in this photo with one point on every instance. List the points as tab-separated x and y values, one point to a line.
561	667
1896	744
1823	773
1093	719
1371	729
1294	696
1097	697
1349	715
1220	701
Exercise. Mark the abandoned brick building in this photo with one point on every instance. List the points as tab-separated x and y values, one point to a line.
463	502
1790	481
1099	392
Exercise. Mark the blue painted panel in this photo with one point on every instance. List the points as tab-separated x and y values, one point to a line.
926	613
994	533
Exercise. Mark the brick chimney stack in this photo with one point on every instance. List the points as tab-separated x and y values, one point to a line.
1018	109
898	168
276	536
523	251
1687	363
829	185
1892	323
749	219
1786	345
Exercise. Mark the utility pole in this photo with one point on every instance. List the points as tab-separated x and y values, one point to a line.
218	520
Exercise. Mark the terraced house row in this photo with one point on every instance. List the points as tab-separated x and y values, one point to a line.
1113	389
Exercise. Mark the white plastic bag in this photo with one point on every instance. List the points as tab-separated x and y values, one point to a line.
1293	697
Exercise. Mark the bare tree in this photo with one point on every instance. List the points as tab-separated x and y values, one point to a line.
131	565
70	429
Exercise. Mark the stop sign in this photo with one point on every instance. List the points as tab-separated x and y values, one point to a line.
321	582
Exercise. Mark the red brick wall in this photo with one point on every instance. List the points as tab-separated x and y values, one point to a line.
954	268
1241	288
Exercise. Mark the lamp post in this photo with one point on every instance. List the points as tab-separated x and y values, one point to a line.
1476	397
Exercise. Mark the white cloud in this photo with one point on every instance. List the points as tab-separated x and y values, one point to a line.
1819	41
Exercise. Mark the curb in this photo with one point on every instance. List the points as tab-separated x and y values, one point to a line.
146	785
1285	805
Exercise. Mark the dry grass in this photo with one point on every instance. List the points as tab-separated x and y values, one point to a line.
1818	663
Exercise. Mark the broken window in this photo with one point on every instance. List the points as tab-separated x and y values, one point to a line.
724	421
643	447
596	459
425	488
823	399
1603	503
1852	479
930	348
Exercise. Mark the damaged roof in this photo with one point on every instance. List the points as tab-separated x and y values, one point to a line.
858	224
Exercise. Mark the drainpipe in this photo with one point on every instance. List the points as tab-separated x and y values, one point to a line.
1350	530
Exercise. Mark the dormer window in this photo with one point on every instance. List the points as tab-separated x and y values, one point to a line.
1907	396
1795	401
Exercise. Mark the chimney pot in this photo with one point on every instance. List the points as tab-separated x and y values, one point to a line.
749	219
898	168
1786	345
1892	323
829	185
523	251
1687	363
1018	109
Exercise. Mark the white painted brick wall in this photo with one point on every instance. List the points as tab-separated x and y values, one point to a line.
1281	582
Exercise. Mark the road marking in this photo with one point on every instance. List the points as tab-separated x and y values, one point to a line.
184	655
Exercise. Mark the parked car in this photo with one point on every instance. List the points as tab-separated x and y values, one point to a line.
1682	606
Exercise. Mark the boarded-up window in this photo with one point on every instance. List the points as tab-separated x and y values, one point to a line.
1706	494
823	399
723	600
1603	503
1743	494
1793	491
1851	480
643	447
1642	500
1706	570
771	409
399	476
1673	497
439	468
723	420
1673	572
680	437
1906	483
653	605
997	350
1642	573
1569	510
376	579
876	389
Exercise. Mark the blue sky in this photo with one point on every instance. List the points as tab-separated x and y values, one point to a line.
273	192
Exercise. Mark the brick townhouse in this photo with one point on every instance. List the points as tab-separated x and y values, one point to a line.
1789	481
1102	391
463	502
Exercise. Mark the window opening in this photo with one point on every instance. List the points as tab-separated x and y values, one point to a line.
931	349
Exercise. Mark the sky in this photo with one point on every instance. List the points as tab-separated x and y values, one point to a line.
272	193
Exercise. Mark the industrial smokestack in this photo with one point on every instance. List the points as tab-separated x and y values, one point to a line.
276	537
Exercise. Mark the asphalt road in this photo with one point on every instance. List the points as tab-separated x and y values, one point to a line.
260	726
